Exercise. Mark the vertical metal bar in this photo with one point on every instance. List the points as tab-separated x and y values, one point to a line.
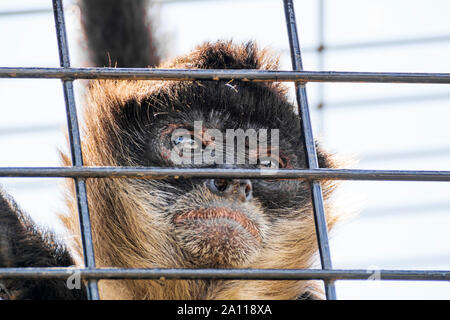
75	148
316	189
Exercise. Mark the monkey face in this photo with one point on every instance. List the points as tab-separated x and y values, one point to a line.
226	223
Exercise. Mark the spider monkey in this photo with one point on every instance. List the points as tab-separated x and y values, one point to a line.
175	223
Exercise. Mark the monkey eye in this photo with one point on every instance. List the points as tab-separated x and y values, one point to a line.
268	163
184	140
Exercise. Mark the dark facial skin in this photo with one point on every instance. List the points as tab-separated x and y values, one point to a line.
223	117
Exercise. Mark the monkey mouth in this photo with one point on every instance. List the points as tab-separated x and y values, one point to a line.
218	237
219	214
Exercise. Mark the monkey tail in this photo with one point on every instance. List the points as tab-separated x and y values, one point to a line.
118	33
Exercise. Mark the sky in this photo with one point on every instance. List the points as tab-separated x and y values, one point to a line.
397	225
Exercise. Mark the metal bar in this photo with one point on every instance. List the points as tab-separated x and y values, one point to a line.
310	148
222	274
176	172
75	148
219	74
155	173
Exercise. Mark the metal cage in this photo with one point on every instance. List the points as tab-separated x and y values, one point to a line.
313	173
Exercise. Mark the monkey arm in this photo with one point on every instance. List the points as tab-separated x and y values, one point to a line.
21	246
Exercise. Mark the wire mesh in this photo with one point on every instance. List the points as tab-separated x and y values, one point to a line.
313	174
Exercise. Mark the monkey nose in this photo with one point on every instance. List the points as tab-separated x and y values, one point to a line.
242	188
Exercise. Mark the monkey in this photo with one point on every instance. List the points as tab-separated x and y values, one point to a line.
177	222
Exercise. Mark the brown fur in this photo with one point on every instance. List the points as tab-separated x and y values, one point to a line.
130	227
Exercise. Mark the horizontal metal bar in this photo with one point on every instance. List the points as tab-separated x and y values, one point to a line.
219	74
175	172
221	274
